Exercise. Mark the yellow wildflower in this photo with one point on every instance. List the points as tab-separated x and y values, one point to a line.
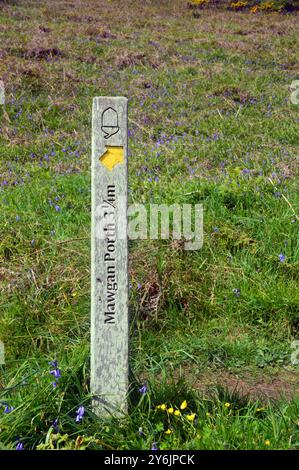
227	405
184	405
170	410
254	9
238	5
260	409
267	6
177	413
191	417
161	407
267	442
199	2
169	431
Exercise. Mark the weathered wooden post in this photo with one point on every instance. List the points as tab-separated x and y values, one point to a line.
109	252
2	93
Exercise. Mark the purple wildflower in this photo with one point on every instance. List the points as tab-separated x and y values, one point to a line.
53	363
55	372
80	414
20	446
7	408
154	446
281	257
143	389
57	208
55	425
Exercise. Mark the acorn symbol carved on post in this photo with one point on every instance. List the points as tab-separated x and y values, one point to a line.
109	122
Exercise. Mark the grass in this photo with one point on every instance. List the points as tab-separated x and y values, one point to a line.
211	122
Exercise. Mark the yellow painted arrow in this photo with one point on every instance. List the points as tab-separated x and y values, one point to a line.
112	157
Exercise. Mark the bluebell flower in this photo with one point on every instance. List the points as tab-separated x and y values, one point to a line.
143	389
7	408
53	363
55	372
80	414
20	446
55	425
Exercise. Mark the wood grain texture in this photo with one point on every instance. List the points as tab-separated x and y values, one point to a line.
109	265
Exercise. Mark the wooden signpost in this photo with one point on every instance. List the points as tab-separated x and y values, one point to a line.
109	253
2	93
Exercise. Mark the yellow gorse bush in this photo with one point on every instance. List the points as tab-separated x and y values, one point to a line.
267	6
254	9
199	2
239	5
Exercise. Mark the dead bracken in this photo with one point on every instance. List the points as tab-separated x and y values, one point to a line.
43	53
